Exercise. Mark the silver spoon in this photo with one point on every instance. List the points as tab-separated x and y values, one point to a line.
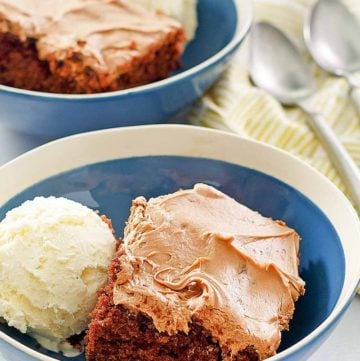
332	36
277	66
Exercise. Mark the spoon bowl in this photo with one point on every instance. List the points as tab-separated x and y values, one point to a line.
277	66
332	34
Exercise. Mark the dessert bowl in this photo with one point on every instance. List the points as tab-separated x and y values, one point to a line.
106	169
223	26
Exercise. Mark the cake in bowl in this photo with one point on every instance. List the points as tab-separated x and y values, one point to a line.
203	61
86	46
199	276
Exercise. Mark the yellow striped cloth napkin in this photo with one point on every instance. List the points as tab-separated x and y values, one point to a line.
234	104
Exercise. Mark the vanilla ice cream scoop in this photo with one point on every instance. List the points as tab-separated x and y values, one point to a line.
185	11
54	255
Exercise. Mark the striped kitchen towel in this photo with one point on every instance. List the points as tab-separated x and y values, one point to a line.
234	104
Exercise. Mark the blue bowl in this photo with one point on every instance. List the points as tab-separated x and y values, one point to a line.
116	166
222	27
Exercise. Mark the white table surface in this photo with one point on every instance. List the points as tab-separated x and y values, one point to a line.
342	345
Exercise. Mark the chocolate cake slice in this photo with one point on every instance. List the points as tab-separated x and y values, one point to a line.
85	46
198	277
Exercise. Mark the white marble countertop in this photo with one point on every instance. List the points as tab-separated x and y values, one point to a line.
343	344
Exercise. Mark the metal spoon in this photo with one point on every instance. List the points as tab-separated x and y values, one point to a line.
332	36
277	66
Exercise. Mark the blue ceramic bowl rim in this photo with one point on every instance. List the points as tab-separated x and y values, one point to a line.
244	13
173	136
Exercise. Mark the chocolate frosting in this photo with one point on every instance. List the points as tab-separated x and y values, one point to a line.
198	255
108	32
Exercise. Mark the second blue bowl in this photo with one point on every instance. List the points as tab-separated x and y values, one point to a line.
222	27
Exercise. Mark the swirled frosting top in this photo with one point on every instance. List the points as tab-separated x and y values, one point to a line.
107	32
199	256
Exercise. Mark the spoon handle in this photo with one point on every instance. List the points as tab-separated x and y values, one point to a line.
347	168
355	97
354	83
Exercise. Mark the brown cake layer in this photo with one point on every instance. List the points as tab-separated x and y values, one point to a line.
199	276
115	334
20	67
85	46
